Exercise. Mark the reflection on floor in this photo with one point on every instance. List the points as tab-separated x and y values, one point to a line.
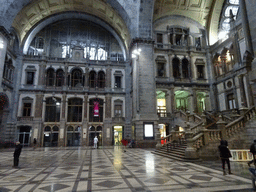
111	169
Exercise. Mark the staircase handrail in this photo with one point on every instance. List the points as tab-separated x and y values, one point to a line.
197	128
173	136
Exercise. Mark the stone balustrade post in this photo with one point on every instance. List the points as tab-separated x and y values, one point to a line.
221	125
203	116
206	136
158	145
190	151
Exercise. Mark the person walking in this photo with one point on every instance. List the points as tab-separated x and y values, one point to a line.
253	151
95	141
16	154
224	155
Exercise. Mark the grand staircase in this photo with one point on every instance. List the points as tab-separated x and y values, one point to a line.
204	137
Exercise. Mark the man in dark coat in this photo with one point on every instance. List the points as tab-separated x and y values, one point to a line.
16	154
224	155
253	151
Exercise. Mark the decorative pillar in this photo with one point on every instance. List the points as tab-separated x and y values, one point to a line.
84	125
194	100
246	26
210	68
171	68
144	100
108	77
172	97
38	124
174	39
61	142
86	81
242	92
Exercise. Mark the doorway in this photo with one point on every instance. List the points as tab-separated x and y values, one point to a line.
73	136
95	132
51	136
24	135
117	135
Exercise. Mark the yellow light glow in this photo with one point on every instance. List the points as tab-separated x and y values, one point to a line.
161	102
228	56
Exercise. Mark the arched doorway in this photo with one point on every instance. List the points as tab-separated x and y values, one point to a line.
95	132
24	135
201	104
181	99
51	136
74	136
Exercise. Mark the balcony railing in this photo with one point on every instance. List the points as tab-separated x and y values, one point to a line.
25	119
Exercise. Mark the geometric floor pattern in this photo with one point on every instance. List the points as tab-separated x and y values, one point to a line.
110	169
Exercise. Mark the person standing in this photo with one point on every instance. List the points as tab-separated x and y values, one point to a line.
95	142
253	151
34	143
16	154
224	155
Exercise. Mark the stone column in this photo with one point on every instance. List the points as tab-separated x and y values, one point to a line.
172	97
147	110
171	68
107	132
86	82
174	39
168	101
41	74
84	131
210	68
192	68
242	91
108	77
194	100
249	91
38	123
246	26
61	142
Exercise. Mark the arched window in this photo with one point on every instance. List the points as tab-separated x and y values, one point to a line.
59	78
70	128
185	68
52	110
224	27
50	77
40	44
92	79
176	67
75	107
76	78
47	129
216	63
101	79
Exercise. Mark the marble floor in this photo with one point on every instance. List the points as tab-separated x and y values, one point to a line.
112	169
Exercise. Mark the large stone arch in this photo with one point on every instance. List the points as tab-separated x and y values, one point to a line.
67	15
23	15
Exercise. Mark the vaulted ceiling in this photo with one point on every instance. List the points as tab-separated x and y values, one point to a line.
31	12
39	10
205	12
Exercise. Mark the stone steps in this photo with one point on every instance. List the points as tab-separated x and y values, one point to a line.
177	153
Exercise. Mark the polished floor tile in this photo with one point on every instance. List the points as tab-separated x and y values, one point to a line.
111	169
